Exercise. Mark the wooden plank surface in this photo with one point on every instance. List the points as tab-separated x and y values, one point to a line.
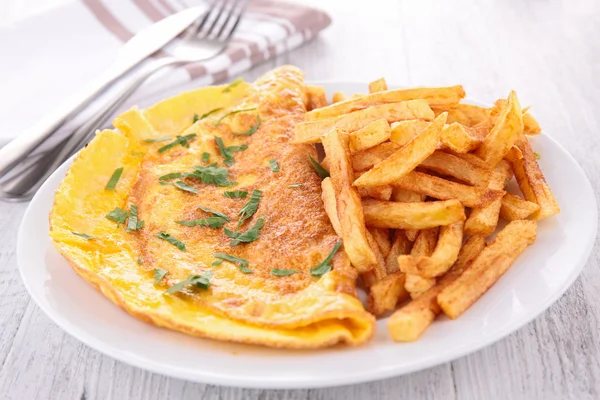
549	51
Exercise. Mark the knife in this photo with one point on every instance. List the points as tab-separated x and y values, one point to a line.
138	48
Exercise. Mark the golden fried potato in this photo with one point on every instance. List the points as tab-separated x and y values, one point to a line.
387	214
423	246
462	139
349	207
465	114
371	135
401	246
506	131
337	97
433	96
405	131
383	192
483	221
532	182
514	208
406	158
382	237
329	201
438	188
312	131
378	86
378	271
408	323
487	268
316	97
445	253
530	125
456	167
408	196
386	293
366	159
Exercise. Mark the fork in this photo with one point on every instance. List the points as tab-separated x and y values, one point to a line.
203	41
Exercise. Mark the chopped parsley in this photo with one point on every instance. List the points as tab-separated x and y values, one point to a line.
227	152
217	122
252	129
195	119
217	262
160	139
182	140
235	194
83	235
211	112
118	215
283	272
185	187
140	261
133	224
325	266
212	175
274	166
166	237
213	222
213	212
250	207
159	274
112	182
205	157
296	185
537	155
246	237
172	175
200	281
322	172
233	84
241	263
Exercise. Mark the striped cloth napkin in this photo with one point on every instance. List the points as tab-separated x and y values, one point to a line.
58	51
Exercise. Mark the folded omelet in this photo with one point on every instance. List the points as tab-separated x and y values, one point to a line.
199	215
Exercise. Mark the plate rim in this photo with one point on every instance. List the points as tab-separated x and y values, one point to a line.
368	375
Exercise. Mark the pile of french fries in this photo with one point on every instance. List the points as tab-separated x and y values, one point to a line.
418	183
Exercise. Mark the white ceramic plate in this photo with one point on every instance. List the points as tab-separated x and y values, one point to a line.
538	278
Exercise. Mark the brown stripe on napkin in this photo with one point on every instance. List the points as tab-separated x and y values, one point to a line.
104	16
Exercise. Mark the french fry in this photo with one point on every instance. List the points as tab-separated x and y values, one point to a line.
366	159
530	125
408	323
506	131
532	182
316	97
405	131
312	131
349	207
401	246
378	86
406	158
514	208
445	253
442	96
382	237
408	196
438	188
371	135
487	268
456	167
423	246
411	234
383	192
465	114
387	214
385	294
378	271
337	97
329	201
483	221
462	139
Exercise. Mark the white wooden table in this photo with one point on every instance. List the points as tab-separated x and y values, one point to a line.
548	50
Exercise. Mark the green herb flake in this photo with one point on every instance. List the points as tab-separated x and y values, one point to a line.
213	212
140	261
217	263
233	84
160	139
322	172
296	185
195	119
182	140
82	235
211	175
213	222
172	175
241	263
283	272
200	281
185	187
112	183
217	122
132	223
118	215
211	112
274	166
159	274
252	129
227	152
236	194
325	266
248	236
205	157
166	237
537	155
250	207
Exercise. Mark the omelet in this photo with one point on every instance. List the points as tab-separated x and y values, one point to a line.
199	215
